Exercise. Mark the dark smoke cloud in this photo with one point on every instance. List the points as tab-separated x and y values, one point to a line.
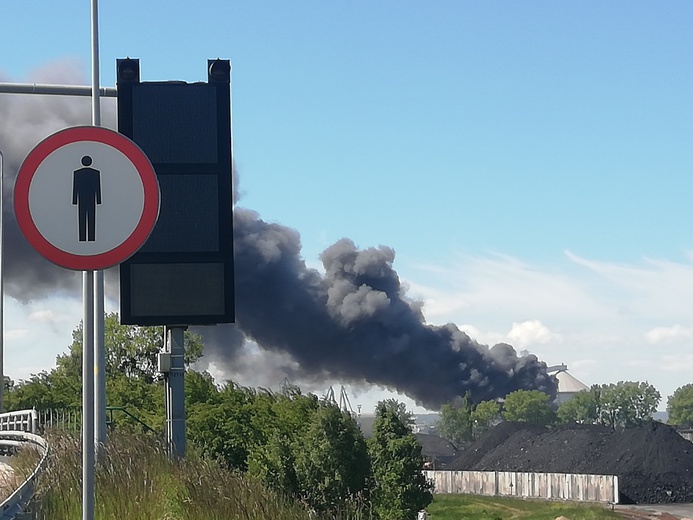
25	120
354	323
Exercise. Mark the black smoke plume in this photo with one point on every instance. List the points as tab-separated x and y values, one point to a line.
25	120
354	323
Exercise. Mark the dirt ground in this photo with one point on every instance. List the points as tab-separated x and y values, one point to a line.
628	513
656	511
642	515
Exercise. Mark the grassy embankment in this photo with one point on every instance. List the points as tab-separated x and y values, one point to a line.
470	507
135	479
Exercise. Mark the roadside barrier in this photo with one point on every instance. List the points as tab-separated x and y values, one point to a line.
17	430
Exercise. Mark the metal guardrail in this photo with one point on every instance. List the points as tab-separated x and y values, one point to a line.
70	419
22	421
16	429
124	411
65	419
23	427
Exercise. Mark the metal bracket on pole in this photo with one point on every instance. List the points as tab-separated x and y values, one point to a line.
174	383
55	90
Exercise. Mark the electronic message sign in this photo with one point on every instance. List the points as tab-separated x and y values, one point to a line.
183	274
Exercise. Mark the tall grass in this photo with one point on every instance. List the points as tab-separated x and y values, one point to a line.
137	480
13	475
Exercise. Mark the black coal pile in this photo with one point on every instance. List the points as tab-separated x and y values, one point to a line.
437	452
653	462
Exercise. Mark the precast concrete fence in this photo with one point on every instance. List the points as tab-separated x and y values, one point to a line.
548	486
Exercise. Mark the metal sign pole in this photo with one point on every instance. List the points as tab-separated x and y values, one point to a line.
2	288
99	346
88	396
91	342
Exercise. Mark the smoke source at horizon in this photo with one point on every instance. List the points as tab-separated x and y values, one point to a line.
354	323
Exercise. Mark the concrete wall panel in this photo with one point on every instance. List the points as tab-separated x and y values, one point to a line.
550	486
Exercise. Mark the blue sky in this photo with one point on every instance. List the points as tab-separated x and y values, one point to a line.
530	162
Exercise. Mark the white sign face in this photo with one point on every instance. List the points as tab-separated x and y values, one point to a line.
86	198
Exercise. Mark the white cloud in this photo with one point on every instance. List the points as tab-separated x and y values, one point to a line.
49	316
606	319
470	330
668	334
658	288
15	334
583	364
677	364
530	333
438	303
38	332
483	337
498	285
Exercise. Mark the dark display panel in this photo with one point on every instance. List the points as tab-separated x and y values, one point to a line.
155	289
175	123
188	217
183	274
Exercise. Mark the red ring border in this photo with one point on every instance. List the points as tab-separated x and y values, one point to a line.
129	246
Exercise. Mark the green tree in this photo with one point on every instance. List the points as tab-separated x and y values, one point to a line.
45	390
530	406
294	412
456	423
582	408
399	489
200	387
680	406
484	416
132	379
131	350
332	464
274	463
224	427
627	403
400	410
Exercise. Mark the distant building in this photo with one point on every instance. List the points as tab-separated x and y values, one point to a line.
436	451
365	422
568	385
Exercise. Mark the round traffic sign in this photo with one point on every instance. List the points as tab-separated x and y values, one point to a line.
86	198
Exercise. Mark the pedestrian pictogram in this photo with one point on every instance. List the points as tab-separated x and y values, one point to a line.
86	194
86	198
